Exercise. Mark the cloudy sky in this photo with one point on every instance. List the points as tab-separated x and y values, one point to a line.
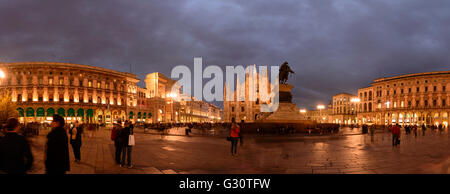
333	45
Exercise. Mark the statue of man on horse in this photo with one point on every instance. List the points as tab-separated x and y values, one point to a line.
284	72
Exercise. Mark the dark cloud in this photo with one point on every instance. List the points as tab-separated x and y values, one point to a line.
334	46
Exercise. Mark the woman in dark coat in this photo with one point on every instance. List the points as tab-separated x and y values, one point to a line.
57	148
75	141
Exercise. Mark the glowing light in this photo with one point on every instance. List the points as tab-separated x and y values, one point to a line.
2	74
303	110
355	100
320	106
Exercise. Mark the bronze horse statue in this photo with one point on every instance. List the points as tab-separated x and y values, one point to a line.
284	72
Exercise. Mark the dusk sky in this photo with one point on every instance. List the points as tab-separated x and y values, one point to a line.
333	46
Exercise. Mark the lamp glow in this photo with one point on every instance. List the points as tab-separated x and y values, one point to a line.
355	100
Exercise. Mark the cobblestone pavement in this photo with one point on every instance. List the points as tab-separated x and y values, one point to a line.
348	153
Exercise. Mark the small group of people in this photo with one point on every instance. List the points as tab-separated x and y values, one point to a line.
411	128
15	151
123	138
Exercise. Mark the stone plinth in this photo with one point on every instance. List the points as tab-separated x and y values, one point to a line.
287	112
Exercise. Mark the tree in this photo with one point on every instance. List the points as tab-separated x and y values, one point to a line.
7	106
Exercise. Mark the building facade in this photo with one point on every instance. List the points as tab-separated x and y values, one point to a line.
420	98
244	110
77	92
344	109
320	116
88	94
167	106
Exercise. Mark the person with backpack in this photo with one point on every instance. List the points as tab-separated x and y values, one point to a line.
75	140
115	133
15	152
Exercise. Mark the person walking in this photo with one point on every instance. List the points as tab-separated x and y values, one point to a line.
75	141
372	132
115	136
15	152
415	131
126	147
57	148
395	135
424	128
234	135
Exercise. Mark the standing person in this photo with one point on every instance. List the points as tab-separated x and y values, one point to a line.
75	141
15	152
234	134
415	130
126	148
188	129
241	137
424	128
90	130
57	148
372	132
115	136
395	135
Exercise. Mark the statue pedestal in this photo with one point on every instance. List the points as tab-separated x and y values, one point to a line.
287	112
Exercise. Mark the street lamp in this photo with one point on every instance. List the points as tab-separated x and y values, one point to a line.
355	101
2	74
302	110
320	107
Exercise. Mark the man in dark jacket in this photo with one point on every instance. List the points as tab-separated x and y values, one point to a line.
115	136
57	148
126	149
15	152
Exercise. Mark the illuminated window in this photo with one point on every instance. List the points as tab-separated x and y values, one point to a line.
50	81
61	81
89	84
